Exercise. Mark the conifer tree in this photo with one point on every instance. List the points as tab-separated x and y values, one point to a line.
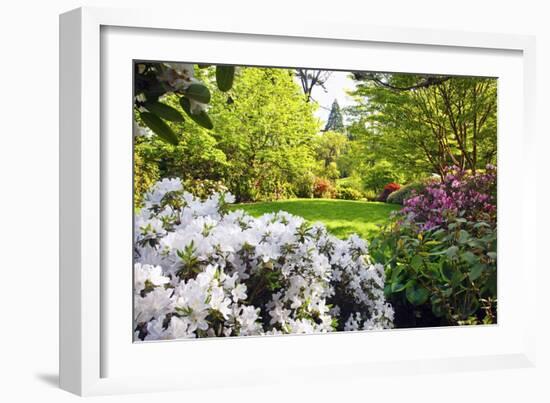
335	121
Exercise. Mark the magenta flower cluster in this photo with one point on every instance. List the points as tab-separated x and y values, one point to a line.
459	193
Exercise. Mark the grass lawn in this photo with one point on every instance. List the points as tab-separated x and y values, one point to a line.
341	217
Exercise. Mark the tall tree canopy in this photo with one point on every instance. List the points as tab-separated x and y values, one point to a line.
266	132
425	123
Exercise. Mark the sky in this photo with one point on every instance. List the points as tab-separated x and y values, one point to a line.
336	87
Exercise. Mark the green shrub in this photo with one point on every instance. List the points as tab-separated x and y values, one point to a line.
440	277
303	186
379	175
353	181
348	193
370	195
399	196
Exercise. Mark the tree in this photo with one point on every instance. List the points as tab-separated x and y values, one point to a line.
422	124
328	147
266	132
386	80
310	78
335	120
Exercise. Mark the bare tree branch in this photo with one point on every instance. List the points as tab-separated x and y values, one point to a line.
377	78
310	78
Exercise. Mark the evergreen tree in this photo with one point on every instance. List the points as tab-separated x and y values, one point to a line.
335	121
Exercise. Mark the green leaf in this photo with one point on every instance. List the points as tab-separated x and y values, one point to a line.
198	92
159	127
463	236
432	243
447	271
452	251
416	262
164	111
416	294
457	278
469	257
200	118
395	271
492	255
474	243
476	271
224	77
203	66
441	252
397	287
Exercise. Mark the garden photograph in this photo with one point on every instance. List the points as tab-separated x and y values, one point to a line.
274	201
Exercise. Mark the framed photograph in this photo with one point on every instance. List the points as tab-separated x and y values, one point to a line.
294	201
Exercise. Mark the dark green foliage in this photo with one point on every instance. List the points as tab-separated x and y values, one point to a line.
224	77
201	118
440	277
164	111
159	127
154	81
198	92
147	82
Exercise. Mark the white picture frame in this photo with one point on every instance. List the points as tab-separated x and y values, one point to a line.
97	355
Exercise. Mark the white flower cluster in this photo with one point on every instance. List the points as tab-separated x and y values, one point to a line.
203	271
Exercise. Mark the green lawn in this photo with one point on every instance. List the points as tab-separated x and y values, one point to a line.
341	217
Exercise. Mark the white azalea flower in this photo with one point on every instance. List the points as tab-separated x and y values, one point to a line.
146	272
219	302
239	292
155	303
